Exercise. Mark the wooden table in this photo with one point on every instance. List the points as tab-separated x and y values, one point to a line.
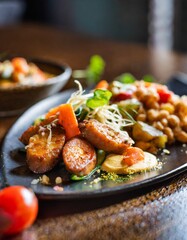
157	212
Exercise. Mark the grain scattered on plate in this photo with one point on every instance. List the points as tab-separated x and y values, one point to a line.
58	180
58	189
44	179
35	181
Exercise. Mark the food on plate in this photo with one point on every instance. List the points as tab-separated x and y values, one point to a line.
158	107
19	71
19	208
39	124
45	147
144	133
116	127
79	156
103	137
115	163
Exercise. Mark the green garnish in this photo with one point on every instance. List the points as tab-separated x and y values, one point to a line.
78	112
148	78
93	72
100	156
38	120
126	78
81	113
115	177
100	159
126	114
79	178
101	97
95	69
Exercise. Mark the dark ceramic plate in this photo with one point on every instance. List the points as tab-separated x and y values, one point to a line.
15	171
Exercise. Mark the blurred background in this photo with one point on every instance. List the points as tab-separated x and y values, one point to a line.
158	23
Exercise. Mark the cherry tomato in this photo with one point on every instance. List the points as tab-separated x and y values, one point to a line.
133	155
19	206
123	96
5	221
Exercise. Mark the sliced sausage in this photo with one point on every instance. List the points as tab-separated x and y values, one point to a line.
32	130
79	156
103	137
45	148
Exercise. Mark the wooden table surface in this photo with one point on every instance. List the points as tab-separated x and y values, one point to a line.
157	212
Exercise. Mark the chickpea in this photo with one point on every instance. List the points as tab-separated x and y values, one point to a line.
164	122
152	104
163	114
141	94
169	134
141	110
141	117
183	124
173	121
174	100
181	106
176	130
152	93
158	125
168	107
181	115
184	128
152	115
58	180
180	135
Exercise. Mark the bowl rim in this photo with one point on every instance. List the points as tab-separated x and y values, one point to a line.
66	74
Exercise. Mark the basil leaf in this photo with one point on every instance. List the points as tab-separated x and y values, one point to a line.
102	94
94	103
100	98
95	69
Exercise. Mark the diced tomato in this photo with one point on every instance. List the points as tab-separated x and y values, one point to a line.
123	96
164	95
133	155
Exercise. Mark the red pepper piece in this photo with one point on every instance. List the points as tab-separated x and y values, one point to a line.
164	95
123	96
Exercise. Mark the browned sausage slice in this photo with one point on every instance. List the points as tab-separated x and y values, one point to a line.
45	148
32	130
79	156
103	137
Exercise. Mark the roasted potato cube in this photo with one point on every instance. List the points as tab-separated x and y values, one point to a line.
160	141
144	132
